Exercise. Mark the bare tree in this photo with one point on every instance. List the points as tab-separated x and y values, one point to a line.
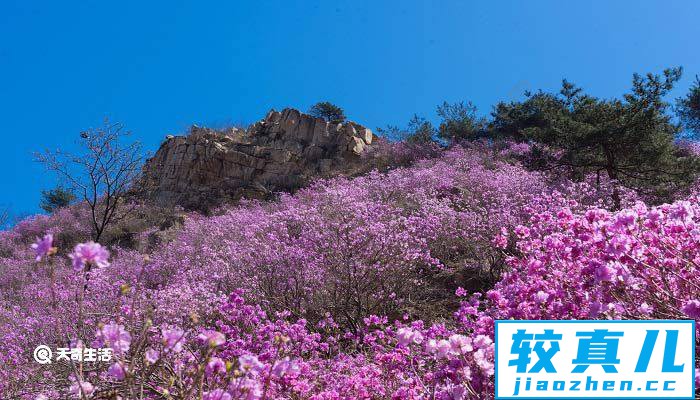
102	172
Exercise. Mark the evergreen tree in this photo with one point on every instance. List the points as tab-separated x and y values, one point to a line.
328	111
52	200
631	139
418	131
688	108
459	122
512	120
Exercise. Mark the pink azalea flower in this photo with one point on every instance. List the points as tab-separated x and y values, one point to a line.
457	392
481	359
682	210
482	341
86	386
460	344
692	309
594	309
645	308
285	367
501	241
407	336
215	366
404	336
152	356
624	219
604	273
117	371
541	296
212	338
443	348
89	254
114	336
44	246
250	363
431	346
173	339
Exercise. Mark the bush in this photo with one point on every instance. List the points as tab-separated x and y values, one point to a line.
460	122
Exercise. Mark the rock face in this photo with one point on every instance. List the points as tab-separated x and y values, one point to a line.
282	152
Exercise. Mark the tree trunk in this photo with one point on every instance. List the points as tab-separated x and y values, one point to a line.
612	174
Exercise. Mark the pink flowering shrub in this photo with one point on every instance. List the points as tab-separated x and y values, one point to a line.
251	356
638	263
382	286
385	154
67	225
378	244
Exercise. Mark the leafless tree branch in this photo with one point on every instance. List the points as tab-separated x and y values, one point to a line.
102	172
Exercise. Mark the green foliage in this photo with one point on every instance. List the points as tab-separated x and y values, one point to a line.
688	108
52	200
510	120
631	139
418	131
459	122
328	111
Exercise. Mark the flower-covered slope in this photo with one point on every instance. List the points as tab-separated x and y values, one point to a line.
383	286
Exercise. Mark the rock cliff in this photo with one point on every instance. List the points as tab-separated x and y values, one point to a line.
282	152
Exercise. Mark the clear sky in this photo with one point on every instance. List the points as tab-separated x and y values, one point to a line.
159	67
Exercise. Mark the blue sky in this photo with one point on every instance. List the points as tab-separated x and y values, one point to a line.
159	67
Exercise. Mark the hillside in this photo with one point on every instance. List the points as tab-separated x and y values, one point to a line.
350	200
382	285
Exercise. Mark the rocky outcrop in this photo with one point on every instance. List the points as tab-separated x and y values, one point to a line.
282	152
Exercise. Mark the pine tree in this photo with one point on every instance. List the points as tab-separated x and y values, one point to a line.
688	108
631	139
52	200
328	111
